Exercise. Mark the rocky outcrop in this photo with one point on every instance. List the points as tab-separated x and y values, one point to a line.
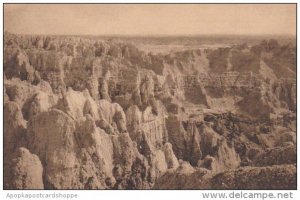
25	171
224	156
17	65
276	156
53	141
68	146
180	178
185	140
14	128
150	123
97	114
171	159
276	177
75	142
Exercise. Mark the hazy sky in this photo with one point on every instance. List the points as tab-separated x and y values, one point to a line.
151	19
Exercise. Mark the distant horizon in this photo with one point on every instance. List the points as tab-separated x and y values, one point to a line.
156	35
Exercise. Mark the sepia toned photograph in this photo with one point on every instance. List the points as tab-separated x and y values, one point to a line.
149	96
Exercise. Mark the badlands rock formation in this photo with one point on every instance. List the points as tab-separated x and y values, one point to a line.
93	114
